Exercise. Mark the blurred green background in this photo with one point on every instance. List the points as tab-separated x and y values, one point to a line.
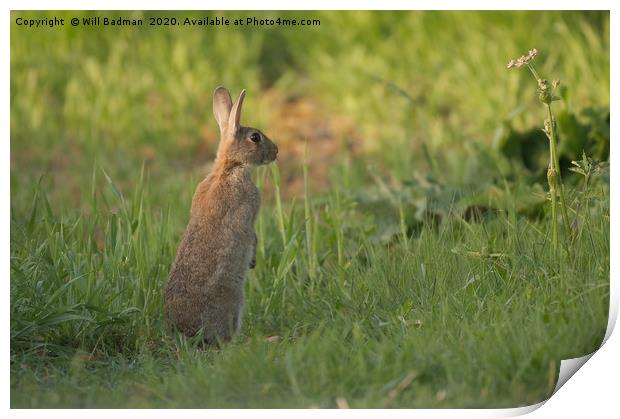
389	88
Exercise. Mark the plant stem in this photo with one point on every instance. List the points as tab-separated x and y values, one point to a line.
554	214
308	218
275	174
558	175
534	73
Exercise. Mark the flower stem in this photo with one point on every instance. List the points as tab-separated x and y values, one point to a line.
558	176
554	212
534	73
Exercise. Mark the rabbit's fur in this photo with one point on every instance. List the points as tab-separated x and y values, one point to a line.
205	285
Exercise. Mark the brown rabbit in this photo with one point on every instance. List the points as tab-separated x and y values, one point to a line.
205	286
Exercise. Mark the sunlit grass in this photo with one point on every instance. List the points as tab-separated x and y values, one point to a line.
478	312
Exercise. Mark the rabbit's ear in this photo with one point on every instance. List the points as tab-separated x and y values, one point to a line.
235	114
221	107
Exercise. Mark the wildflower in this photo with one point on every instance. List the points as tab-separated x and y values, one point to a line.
554	177
524	59
545	91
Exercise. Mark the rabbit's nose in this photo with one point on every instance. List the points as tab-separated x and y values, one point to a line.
276	151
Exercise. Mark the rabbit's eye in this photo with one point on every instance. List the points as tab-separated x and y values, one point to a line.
255	137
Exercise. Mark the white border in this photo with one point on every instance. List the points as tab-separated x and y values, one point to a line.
591	392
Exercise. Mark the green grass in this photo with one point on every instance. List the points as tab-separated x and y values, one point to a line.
482	330
384	292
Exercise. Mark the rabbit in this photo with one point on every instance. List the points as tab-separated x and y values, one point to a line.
206	281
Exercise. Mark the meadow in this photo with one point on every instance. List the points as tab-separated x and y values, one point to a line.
404	251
